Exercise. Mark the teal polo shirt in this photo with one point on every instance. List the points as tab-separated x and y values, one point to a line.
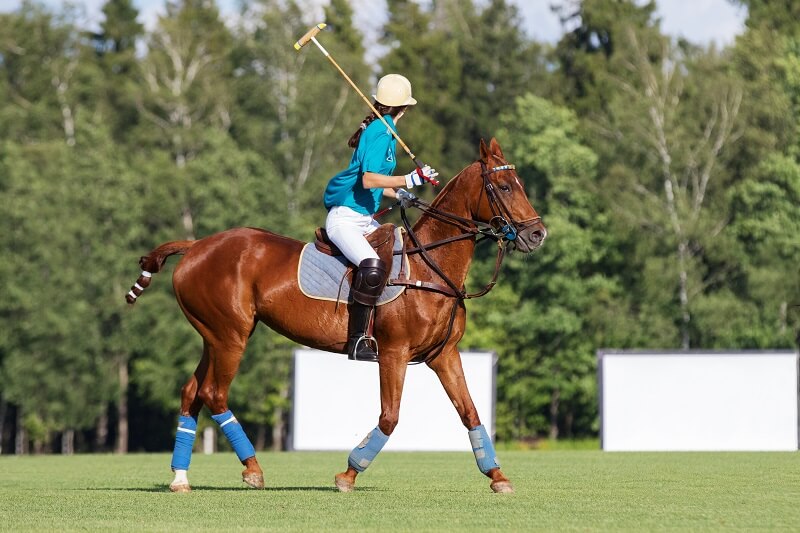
375	153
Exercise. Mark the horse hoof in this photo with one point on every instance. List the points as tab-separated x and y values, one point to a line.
504	487
255	481
343	484
180	487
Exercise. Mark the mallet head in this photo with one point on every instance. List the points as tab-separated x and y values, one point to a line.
309	35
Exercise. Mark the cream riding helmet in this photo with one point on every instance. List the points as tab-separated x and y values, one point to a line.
394	90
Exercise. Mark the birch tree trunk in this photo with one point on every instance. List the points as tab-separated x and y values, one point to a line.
686	175
121	445
68	442
3	410
21	437
555	398
101	431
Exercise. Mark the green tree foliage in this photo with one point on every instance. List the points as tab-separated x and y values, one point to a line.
764	201
39	61
583	54
115	55
466	65
668	175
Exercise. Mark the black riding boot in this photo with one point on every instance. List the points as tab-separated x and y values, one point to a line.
368	283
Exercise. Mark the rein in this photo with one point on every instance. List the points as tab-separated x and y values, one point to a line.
450	289
501	228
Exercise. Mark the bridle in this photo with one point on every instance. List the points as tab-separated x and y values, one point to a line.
501	228
502	221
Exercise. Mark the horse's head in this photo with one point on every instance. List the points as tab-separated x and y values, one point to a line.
503	202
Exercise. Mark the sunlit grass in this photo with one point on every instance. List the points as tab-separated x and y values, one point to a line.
556	491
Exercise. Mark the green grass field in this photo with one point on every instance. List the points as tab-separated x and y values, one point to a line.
556	491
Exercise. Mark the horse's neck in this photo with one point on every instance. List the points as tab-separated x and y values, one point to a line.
453	258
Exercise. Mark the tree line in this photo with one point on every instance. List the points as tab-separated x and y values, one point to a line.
667	173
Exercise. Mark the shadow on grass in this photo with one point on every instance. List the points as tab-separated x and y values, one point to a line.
207	488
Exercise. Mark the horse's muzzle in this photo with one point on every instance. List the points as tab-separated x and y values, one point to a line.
530	237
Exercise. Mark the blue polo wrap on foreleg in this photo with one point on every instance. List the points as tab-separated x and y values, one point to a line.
483	449
363	454
184	442
233	430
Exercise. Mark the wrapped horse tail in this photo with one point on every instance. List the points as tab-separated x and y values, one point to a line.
152	264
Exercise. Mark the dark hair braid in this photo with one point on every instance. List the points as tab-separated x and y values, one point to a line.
392	111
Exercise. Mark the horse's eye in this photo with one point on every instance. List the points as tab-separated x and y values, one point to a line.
505	188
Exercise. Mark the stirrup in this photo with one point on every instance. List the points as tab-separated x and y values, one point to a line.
362	349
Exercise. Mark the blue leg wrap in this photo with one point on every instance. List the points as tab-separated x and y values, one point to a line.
233	430
363	454
483	449
184	442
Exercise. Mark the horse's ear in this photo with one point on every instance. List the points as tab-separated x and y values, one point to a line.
485	153
495	148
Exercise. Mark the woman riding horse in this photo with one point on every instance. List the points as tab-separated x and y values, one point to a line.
353	196
226	283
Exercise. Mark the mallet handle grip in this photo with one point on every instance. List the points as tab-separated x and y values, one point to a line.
432	181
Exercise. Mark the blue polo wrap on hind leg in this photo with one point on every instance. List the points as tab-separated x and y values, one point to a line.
184	442
233	430
483	449
363	454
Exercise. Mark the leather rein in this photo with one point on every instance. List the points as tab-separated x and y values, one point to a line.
501	227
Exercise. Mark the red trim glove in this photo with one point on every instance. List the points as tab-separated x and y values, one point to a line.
413	178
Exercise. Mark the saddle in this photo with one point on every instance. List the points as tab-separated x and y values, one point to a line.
324	274
381	238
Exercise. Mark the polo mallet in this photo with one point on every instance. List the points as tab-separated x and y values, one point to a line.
311	35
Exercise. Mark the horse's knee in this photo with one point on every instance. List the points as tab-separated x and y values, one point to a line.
388	421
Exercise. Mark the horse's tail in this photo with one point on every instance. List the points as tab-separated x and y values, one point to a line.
152	263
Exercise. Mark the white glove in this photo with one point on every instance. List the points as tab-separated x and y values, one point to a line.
413	178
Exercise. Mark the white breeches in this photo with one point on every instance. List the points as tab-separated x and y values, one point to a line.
348	229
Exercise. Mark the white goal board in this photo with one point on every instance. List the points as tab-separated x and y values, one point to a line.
336	402
698	401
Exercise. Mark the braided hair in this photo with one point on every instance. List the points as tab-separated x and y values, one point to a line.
392	111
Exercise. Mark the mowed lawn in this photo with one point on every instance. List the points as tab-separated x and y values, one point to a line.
555	491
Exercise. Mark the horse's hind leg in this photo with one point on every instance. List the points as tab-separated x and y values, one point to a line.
187	427
451	374
224	359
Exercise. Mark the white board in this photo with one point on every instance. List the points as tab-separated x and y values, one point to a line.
336	402
699	401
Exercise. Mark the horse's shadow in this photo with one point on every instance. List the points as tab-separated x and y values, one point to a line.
209	488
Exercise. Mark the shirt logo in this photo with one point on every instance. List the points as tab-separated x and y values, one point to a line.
389	156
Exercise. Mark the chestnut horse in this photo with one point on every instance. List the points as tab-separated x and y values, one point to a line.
227	282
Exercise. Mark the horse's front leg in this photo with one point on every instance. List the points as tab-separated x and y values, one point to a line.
392	375
450	372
